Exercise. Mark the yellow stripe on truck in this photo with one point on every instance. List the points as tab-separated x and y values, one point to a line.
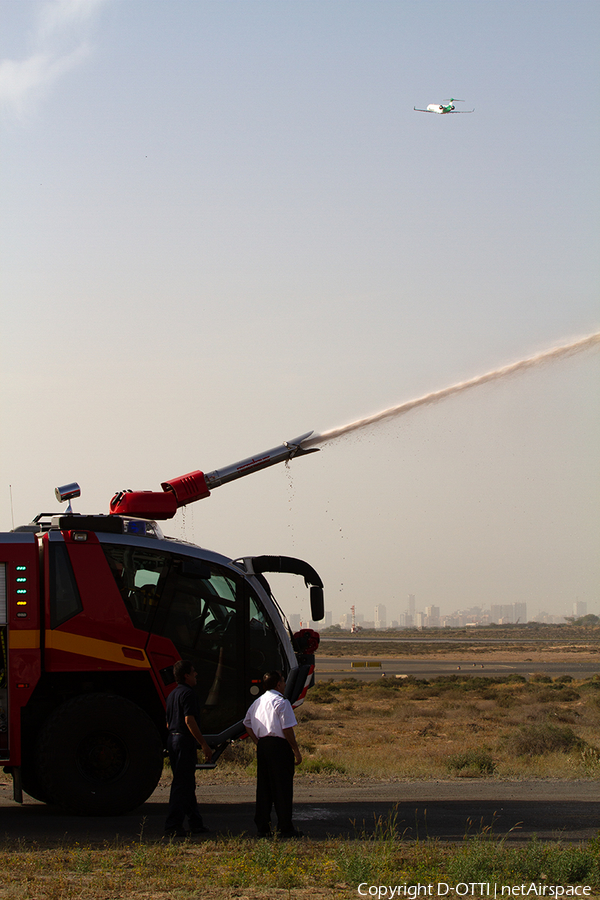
24	640
104	650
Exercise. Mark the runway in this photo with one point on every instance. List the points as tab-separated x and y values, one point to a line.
337	668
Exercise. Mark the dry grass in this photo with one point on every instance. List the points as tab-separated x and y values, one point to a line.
403	729
257	870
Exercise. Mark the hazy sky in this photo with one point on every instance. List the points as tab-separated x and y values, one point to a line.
224	225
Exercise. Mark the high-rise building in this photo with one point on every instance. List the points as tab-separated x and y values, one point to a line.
346	620
520	613
380	616
579	609
432	616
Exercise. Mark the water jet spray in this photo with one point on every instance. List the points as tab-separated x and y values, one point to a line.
402	408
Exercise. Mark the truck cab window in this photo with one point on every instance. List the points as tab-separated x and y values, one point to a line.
65	601
140	575
264	648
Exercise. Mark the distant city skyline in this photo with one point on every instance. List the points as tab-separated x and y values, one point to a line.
497	614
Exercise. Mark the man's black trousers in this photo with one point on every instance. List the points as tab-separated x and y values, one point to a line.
274	784
182	800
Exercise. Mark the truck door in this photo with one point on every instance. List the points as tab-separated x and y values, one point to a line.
211	615
214	619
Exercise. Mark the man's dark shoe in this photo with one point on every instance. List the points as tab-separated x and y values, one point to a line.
290	835
264	834
199	829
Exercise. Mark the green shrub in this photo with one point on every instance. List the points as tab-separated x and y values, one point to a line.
472	763
321	764
239	753
388	684
505	701
567	694
543	737
323	692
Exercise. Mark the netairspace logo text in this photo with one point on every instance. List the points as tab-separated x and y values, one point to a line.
472	889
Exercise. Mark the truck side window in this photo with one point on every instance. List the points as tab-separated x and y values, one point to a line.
264	649
140	575
65	601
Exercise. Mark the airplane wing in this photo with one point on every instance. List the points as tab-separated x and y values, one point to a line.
422	110
452	112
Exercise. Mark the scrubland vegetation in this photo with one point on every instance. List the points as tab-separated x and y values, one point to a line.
452	726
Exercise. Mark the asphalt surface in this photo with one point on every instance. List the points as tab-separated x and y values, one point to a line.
336	668
445	810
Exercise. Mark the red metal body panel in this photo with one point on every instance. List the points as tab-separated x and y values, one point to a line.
23	616
154	505
104	612
162	654
102	637
145	504
187	488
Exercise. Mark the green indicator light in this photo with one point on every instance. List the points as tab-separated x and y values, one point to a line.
21	568
21	579
21	590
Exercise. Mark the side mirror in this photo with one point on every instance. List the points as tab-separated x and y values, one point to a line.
317	603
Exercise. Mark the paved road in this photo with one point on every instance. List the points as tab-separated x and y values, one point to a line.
337	668
567	811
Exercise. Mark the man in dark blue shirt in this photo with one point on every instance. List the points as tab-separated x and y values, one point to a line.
183	714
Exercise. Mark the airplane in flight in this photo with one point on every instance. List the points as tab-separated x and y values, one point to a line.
442	109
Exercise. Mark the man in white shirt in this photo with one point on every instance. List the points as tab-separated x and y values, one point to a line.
270	724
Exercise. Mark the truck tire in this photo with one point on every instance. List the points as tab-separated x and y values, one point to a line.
31	783
99	755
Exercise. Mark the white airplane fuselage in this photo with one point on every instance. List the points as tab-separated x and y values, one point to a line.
438	108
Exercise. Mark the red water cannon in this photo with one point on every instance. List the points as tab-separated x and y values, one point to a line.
197	485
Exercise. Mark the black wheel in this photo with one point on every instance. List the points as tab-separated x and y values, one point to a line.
31	783
99	755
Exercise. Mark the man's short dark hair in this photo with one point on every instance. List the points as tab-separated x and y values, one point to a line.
272	679
182	668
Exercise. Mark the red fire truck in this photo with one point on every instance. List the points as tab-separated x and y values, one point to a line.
95	610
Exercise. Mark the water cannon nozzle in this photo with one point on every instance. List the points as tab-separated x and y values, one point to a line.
296	448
